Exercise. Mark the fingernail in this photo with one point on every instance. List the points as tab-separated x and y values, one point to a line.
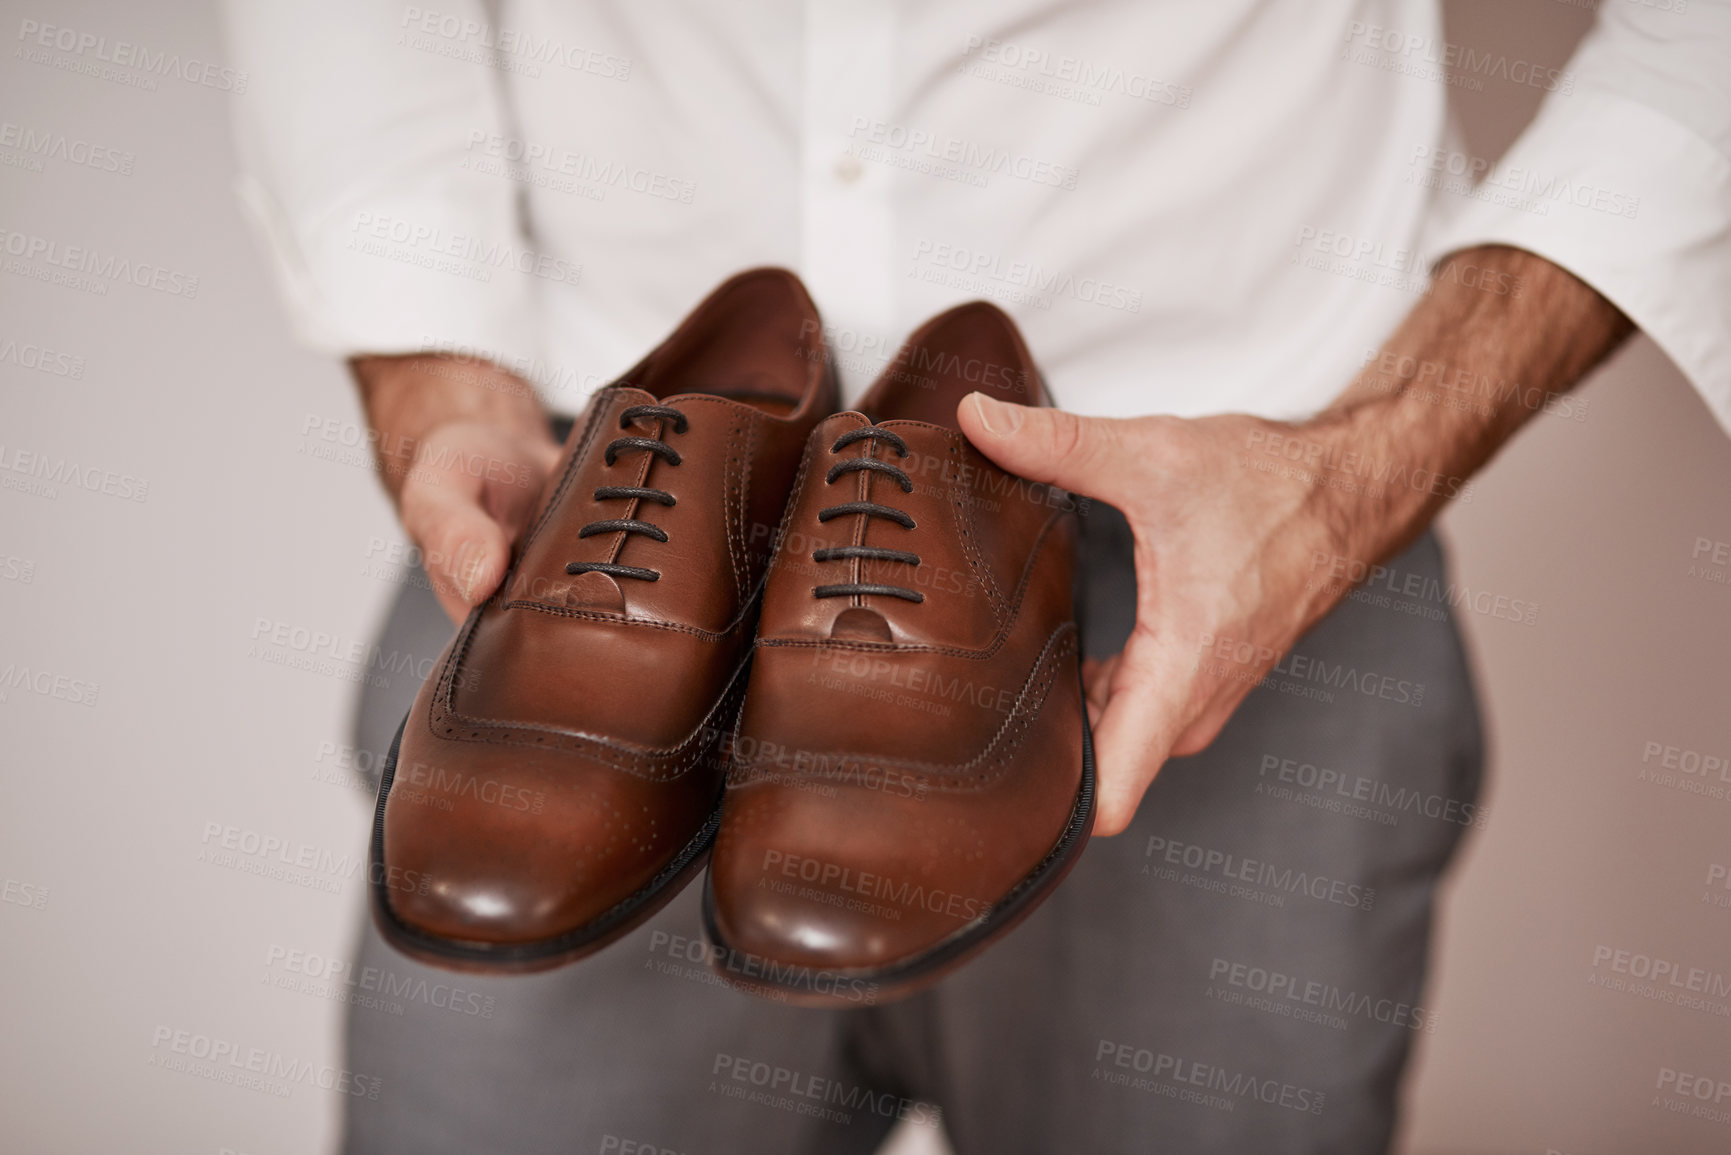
1008	417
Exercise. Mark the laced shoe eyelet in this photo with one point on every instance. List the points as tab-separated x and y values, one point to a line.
639	493
868	509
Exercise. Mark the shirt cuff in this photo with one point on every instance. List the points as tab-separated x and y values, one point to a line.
1631	202
408	277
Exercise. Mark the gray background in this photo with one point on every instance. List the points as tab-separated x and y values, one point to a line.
120	924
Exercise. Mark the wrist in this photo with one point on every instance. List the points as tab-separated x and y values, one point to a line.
1376	485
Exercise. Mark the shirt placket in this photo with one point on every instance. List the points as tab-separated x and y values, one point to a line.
846	225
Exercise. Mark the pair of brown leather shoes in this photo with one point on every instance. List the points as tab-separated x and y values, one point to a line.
837	647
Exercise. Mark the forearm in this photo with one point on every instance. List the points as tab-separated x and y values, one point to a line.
1467	368
1230	513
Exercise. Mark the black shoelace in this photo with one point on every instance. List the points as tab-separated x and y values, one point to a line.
868	509
631	525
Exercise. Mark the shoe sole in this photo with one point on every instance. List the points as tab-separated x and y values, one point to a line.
917	972
477	957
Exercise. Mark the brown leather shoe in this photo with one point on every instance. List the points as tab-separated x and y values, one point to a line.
912	771
556	781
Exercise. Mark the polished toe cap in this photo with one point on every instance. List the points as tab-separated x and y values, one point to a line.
823	878
524	846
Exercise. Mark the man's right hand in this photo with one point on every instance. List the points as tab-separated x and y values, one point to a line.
463	448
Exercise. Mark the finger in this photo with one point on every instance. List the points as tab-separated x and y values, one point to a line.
466	550
513	486
1096	684
1050	445
1134	737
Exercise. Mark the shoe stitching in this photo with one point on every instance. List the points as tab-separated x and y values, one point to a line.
967	514
656	765
994	758
604	402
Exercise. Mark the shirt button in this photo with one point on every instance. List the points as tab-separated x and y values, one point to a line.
848	169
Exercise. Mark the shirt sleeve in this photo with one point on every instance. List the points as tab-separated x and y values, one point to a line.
356	138
1624	179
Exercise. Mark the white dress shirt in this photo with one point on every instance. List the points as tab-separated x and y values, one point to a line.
1191	206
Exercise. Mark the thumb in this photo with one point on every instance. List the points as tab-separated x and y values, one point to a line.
465	551
1050	445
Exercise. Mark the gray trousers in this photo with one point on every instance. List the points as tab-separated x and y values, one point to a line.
1241	972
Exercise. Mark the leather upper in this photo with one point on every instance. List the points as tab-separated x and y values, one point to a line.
605	697
901	765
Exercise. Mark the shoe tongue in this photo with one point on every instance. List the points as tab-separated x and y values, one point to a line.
638	396
675	400
933	450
